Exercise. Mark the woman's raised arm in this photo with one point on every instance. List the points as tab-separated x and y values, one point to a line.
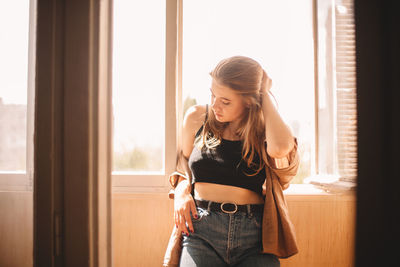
278	135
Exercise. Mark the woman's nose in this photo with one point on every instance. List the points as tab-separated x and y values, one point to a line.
214	105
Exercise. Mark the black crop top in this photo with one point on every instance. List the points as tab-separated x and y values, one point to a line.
224	165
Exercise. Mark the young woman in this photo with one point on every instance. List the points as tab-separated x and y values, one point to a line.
228	149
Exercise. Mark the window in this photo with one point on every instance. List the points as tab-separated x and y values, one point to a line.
139	95
278	34
307	47
336	154
346	93
17	49
138	82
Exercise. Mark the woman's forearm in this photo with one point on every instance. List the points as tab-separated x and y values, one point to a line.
278	135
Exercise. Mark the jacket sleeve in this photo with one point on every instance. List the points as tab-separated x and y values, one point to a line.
174	249
182	171
285	168
174	180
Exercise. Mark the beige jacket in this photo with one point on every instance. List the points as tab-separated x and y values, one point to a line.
278	234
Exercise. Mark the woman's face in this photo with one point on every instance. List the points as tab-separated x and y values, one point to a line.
226	104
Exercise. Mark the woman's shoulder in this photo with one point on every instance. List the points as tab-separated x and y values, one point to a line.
193	120
194	117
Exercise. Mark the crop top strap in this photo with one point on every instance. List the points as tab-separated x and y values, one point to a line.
202	126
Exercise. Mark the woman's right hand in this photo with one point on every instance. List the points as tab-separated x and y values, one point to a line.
183	206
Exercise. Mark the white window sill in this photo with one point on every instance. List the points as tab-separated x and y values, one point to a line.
322	185
15	181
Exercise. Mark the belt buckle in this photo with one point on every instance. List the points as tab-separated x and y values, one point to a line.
227	211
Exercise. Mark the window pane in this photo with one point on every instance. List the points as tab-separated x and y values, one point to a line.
13	84
138	85
17	70
278	34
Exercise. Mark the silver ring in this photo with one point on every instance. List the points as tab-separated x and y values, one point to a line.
222	207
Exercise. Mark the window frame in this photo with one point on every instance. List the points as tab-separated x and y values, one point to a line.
142	182
325	172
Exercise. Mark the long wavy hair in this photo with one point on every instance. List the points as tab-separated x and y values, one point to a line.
248	79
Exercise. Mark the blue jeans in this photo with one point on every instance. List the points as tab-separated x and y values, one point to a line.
222	239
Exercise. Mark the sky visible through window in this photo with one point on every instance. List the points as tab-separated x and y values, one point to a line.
139	85
14	43
14	51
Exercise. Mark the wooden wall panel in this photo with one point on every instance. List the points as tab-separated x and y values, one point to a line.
16	229
324	227
142	223
141	226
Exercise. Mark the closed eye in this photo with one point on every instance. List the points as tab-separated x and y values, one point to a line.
223	101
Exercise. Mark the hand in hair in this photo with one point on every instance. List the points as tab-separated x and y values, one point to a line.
266	84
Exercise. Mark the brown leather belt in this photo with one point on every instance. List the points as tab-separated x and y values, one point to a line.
227	207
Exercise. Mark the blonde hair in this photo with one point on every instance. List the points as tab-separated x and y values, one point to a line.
247	78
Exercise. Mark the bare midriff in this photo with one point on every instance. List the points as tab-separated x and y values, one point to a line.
226	193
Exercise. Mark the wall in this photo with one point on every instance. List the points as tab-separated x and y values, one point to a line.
142	224
324	225
16	229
